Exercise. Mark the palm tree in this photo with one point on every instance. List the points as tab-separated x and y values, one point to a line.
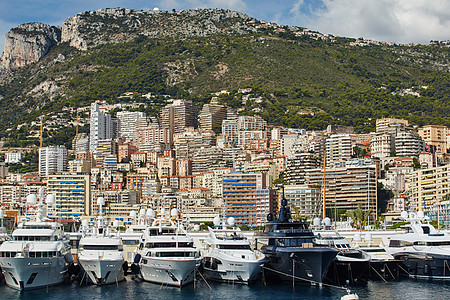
359	217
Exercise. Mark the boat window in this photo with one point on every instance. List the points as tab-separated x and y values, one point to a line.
170	245
8	254
426	229
32	238
420	243
164	231
130	242
175	254
241	247
441	243
100	247
397	243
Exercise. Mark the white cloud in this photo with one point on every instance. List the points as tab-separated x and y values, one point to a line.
401	21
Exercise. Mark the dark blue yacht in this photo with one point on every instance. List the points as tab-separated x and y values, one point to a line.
291	255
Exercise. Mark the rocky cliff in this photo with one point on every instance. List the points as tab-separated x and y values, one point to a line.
116	25
28	43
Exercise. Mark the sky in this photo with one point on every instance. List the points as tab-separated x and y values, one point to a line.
400	21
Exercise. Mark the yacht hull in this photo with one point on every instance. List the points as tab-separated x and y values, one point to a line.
299	265
385	269
33	273
176	272
237	271
343	272
101	272
426	266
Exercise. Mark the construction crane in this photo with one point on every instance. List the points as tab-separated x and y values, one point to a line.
41	132
76	124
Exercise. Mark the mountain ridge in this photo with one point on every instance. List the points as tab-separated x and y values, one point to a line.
350	80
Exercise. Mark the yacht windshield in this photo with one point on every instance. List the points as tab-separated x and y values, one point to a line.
240	247
101	247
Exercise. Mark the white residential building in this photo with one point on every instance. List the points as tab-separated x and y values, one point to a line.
52	159
101	127
13	157
338	148
128	122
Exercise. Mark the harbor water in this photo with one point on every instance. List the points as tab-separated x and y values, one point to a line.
130	289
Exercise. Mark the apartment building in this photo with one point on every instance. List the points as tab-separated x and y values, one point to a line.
72	193
247	198
52	159
347	187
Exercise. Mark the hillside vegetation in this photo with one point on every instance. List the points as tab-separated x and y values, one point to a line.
333	82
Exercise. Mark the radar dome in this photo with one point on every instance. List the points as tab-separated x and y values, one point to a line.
316	222
116	223
196	227
357	237
100	201
368	237
156	9
85	223
174	212
150	213
420	214
404	215
216	221
326	221
31	199
230	221
142	212
50	199
133	214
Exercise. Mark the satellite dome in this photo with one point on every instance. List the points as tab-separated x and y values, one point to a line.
133	214
357	237
100	201
142	212
420	214
316	222
326	221
216	221
50	199
85	223
174	212
2	213
368	237
404	215
116	223
31	199
156	9
230	221
196	227
150	213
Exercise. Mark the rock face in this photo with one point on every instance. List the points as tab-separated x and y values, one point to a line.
28	43
116	25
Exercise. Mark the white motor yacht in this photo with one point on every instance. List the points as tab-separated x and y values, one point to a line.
424	250
228	256
168	253
38	253
101	253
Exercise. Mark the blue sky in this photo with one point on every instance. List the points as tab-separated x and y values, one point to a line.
402	21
